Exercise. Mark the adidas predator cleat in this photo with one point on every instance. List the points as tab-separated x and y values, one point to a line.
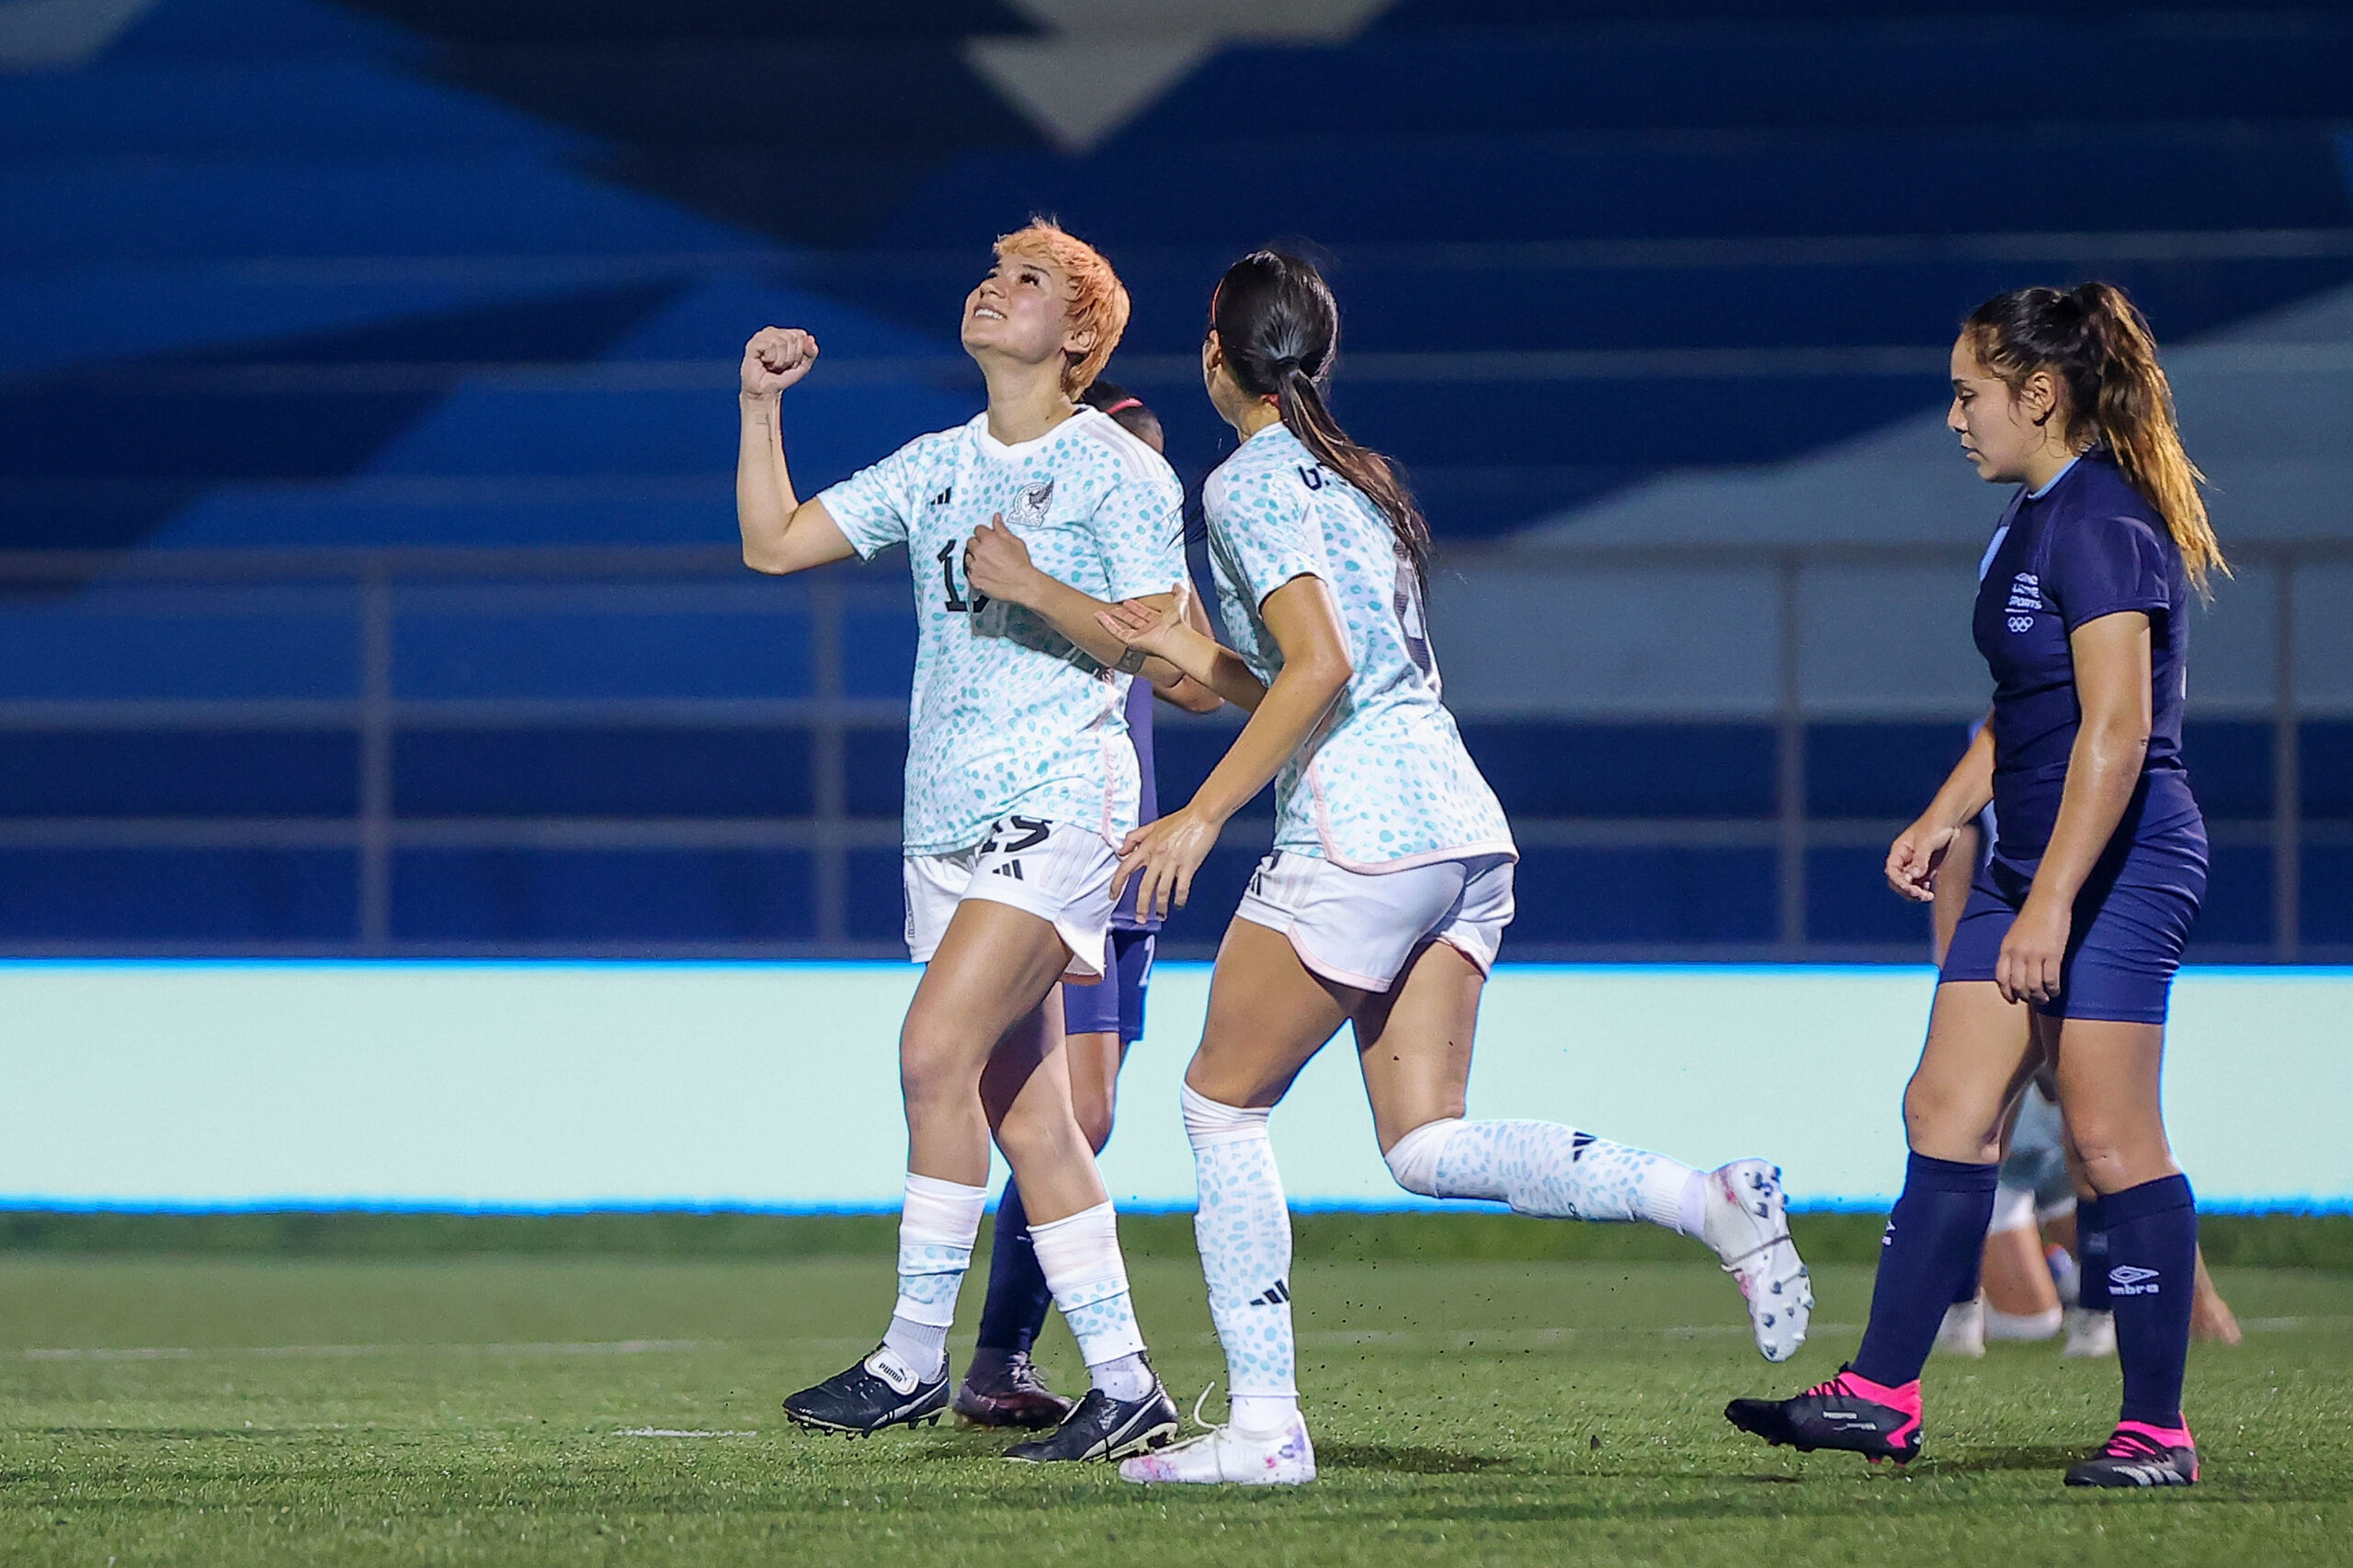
1229	1456
881	1390
1747	1221
2138	1454
1014	1395
1105	1429
1848	1412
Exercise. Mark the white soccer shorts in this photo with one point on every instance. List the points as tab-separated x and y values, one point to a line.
1059	873
1358	928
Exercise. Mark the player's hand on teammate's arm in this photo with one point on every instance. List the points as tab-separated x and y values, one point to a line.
2028	969
775	358
1163	854
997	564
1158	627
1173	630
1915	856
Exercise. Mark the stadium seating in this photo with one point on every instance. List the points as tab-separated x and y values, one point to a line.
405	275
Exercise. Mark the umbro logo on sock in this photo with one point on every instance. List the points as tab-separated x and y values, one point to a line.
2125	1279
1275	1296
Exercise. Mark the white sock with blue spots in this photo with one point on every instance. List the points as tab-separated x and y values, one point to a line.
939	1221
1244	1229
1549	1170
1079	1256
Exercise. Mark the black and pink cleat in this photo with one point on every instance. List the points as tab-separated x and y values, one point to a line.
2138	1454
1849	1411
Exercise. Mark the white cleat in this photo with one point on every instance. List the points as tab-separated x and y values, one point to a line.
1963	1331
1746	1220
2089	1332
1227	1456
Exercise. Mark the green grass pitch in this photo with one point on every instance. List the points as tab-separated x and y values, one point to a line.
510	1410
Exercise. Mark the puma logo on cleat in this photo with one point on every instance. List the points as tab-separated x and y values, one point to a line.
1275	1296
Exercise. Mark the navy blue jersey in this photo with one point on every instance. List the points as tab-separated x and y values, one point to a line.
2088	545
1125	918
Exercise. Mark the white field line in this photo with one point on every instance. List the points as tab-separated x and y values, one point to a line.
676	1432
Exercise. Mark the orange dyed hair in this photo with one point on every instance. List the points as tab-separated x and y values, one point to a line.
1099	300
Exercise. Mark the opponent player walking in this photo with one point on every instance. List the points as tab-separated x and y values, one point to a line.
1387	891
1000	1388
1020	781
2082	912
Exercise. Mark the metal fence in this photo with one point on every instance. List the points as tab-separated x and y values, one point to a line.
377	588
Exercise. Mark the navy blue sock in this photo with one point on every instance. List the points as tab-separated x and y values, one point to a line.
2091	1255
1972	1281
1018	1298
2152	1284
1933	1241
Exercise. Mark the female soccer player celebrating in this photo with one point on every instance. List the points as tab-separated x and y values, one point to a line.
1020	783
1001	1387
1387	891
2082	912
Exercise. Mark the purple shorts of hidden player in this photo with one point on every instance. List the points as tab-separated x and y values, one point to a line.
2131	923
1115	1004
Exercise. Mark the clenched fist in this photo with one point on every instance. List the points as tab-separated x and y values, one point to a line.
775	358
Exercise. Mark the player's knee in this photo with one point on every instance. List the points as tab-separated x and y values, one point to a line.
1934	1115
1413	1159
1035	1127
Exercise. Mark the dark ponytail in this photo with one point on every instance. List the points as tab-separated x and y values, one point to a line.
1278	328
2094	340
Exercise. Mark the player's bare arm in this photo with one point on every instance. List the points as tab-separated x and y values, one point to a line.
998	564
1307	626
1914	859
781	533
1176	630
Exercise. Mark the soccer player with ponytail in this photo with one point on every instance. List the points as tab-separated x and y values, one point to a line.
1387	892
2076	922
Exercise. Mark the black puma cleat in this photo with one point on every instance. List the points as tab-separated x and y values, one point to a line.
876	1392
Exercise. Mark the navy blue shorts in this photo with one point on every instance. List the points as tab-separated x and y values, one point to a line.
2131	923
1116	1002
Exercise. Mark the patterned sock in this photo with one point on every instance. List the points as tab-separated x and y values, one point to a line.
1244	1229
1018	1298
1546	1169
939	1221
1933	1241
2091	1248
1080	1257
2152	1271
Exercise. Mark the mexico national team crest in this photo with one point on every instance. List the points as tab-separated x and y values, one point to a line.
1029	509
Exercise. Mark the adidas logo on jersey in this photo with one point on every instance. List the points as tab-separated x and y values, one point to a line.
1008	869
1274	1295
944	496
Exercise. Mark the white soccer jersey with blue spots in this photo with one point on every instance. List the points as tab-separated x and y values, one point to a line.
1008	715
1384	783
